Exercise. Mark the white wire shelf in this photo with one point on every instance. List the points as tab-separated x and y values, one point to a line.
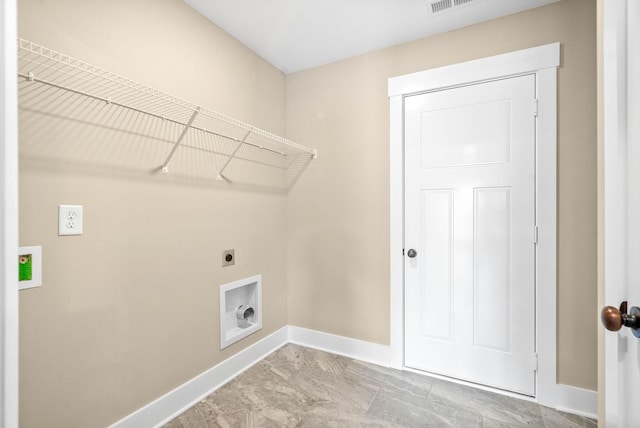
114	111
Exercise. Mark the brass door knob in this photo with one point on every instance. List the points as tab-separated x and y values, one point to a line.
613	318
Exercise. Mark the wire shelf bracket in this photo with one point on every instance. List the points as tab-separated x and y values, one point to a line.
221	177
165	165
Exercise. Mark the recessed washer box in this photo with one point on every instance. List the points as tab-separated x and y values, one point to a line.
29	267
240	309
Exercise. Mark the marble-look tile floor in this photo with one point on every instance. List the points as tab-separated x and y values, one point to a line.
301	387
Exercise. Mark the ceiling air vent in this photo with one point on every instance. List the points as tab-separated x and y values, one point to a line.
440	6
444	5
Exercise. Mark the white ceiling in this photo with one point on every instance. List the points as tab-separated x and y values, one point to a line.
295	35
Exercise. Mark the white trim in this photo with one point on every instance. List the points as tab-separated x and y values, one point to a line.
508	64
8	217
175	402
546	219
578	401
542	61
340	345
396	235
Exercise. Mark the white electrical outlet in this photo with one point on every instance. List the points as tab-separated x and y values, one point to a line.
70	220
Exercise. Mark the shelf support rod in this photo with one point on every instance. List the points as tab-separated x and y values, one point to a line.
165	165
313	155
233	155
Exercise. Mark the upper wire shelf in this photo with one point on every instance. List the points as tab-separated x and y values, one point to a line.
56	85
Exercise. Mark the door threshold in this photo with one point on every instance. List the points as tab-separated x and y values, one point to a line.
472	384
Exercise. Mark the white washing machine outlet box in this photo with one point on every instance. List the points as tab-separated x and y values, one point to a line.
240	309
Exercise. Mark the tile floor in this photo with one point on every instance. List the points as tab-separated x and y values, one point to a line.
302	387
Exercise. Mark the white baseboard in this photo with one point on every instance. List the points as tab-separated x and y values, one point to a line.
583	402
352	348
160	411
175	402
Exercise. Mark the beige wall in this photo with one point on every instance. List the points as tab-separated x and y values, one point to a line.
338	215
129	310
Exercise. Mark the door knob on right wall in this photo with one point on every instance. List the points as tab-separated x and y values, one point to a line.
613	318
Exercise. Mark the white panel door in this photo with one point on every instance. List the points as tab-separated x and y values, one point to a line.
621	207
470	218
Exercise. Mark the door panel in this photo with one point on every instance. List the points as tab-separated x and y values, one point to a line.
491	323
470	214
437	241
483	138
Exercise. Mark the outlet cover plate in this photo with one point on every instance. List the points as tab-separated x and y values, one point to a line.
70	220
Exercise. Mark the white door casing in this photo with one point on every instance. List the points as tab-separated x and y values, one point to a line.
621	109
9	216
542	62
470	214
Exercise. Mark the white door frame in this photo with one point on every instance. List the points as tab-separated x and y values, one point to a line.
543	62
8	217
620	38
